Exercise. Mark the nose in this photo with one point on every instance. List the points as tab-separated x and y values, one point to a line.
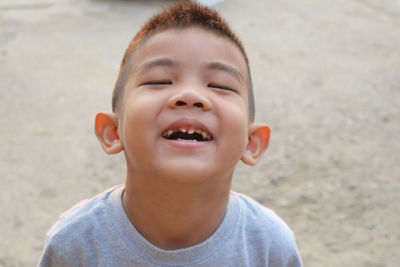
189	98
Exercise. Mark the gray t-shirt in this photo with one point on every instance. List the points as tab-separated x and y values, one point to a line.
98	233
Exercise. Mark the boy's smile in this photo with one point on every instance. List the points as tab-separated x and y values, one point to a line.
184	114
187	130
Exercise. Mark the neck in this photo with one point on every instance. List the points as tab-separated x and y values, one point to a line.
175	215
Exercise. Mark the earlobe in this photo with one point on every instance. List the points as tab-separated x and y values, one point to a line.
258	142
106	129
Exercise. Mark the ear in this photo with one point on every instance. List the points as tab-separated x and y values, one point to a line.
258	142
106	129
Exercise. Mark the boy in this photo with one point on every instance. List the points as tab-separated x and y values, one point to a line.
183	112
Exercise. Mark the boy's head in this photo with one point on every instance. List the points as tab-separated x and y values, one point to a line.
183	100
179	16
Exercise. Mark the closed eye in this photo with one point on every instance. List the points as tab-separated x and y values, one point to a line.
221	87
157	83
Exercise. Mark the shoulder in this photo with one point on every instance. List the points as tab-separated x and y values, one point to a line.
82	218
259	216
267	231
75	229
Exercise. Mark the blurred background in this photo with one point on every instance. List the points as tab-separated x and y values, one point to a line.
327	81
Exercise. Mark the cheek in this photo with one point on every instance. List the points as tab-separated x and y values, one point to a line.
235	123
137	121
236	114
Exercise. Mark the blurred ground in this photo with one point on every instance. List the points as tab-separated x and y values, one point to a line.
327	81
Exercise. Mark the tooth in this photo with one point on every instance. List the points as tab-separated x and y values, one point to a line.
198	131
191	131
183	130
169	132
204	135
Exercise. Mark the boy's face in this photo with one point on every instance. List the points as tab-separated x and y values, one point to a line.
184	114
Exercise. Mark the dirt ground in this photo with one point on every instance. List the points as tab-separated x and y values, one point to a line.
327	81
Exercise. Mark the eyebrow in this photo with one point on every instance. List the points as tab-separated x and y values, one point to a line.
156	63
226	68
164	61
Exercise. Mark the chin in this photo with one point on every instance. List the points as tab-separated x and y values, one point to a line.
190	177
196	170
184	173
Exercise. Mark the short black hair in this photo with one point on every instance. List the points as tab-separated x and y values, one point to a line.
182	15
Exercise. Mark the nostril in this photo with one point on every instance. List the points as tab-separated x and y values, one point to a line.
198	105
180	103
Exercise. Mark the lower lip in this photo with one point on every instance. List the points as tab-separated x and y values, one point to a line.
188	144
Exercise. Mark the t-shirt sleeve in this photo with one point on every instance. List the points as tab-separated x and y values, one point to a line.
291	256
59	251
52	257
294	258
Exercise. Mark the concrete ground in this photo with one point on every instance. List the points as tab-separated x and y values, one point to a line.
327	81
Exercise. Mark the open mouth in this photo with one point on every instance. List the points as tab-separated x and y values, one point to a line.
187	134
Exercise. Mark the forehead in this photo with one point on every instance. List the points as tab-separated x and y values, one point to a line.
191	44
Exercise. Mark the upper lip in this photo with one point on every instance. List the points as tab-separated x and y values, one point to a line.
188	123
